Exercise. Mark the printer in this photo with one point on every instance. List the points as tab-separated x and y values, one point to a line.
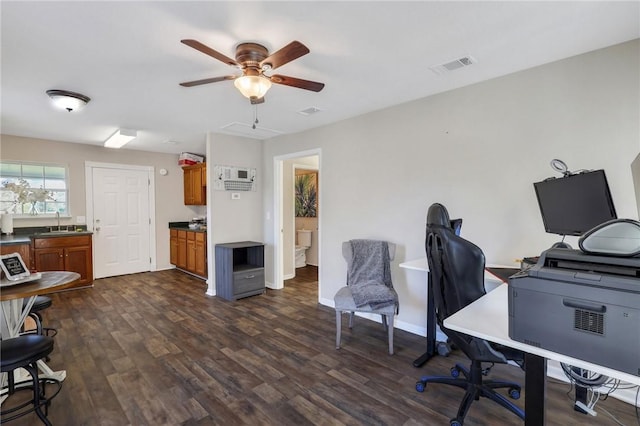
583	305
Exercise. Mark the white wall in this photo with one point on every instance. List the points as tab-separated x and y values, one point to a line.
476	149
169	189
233	220
635	171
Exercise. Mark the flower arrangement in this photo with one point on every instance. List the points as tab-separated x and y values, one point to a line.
24	194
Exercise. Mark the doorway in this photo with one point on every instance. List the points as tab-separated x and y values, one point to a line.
121	214
286	223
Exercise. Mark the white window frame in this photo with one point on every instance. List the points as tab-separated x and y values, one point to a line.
43	165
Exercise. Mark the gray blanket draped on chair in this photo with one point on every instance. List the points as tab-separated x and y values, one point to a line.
369	274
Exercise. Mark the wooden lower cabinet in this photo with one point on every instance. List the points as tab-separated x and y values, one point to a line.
201	254
72	253
23	249
188	251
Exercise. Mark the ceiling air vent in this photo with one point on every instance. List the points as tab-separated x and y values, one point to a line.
309	111
453	65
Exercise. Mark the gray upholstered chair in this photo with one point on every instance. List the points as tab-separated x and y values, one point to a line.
369	280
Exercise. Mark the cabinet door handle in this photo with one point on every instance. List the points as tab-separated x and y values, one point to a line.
249	276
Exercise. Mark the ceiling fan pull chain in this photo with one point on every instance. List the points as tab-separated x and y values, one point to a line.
255	115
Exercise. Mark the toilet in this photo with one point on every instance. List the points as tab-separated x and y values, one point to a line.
304	242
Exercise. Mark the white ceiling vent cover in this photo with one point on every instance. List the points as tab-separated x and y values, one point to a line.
247	130
309	111
453	65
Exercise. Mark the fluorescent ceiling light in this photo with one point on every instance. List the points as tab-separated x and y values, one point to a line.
71	101
120	138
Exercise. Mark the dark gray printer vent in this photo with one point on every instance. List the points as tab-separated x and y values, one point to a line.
593	322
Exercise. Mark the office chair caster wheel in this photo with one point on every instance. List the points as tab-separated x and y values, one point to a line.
514	393
420	386
455	372
455	422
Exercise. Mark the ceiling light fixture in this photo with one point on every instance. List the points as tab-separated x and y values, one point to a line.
120	138
71	101
252	86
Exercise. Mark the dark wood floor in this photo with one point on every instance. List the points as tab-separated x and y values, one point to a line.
152	349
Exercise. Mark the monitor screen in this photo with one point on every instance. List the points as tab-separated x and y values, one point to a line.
574	204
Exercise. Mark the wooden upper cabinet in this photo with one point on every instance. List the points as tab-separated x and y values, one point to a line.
195	184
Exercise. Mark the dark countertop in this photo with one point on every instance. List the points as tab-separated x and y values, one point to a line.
14	239
25	235
184	226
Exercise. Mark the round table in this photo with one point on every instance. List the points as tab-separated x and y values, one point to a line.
16	301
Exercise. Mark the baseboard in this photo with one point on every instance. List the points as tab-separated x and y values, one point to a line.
289	276
400	325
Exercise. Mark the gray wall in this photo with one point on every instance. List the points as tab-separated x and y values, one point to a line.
478	150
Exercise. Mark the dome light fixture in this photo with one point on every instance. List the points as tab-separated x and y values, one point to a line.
70	101
252	86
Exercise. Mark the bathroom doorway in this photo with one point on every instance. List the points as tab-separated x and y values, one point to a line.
300	218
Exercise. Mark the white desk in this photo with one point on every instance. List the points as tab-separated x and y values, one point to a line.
432	332
494	327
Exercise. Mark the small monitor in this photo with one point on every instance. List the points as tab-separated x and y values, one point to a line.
13	266
574	204
456	225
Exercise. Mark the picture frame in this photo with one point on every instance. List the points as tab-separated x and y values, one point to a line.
14	267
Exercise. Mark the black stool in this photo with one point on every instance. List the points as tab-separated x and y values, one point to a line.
40	304
23	352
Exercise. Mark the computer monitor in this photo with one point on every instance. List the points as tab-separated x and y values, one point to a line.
574	204
456	225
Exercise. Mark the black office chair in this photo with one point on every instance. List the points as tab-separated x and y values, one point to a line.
457	276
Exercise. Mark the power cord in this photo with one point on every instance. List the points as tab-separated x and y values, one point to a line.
591	381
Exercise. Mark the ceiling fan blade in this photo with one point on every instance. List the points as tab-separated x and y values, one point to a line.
297	82
208	80
256	101
209	51
291	51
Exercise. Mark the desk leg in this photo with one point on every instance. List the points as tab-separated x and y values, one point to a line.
535	390
431	327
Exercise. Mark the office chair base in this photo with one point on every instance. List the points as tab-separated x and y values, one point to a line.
475	388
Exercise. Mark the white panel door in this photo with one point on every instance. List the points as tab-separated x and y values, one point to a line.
121	222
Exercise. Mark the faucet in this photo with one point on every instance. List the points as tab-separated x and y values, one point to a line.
58	217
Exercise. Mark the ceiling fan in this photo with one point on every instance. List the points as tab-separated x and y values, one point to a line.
254	60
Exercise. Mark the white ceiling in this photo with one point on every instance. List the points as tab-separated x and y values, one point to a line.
127	57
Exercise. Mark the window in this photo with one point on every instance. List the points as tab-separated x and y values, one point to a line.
32	189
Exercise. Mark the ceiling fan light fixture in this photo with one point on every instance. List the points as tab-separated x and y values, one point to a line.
70	101
120	138
252	85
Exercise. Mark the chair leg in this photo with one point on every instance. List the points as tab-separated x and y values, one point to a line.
338	327
351	315
390	331
37	393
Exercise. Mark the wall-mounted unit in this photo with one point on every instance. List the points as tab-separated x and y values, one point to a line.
232	178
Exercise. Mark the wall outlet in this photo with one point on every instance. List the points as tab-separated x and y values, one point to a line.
81	220
235	195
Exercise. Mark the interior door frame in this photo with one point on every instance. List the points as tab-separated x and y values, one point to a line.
278	244
88	174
